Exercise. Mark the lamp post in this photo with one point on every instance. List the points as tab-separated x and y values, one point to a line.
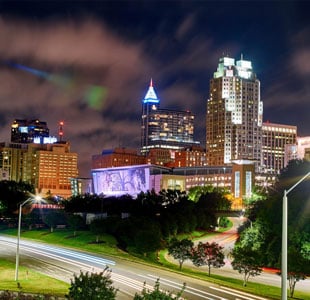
33	199
284	240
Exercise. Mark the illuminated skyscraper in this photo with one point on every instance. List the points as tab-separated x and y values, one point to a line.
275	139
234	114
25	131
164	128
11	160
49	167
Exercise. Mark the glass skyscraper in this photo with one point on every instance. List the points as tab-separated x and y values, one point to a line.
164	128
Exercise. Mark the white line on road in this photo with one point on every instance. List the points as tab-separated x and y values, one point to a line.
237	293
188	289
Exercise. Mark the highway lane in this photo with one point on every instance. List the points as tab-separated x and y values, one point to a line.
127	276
227	239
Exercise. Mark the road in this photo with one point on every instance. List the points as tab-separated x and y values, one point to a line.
127	276
227	240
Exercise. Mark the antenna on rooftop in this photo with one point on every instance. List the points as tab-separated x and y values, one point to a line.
60	131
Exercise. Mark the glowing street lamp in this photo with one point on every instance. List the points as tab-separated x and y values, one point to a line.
284	240
34	199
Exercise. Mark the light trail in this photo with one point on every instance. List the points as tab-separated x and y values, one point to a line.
56	252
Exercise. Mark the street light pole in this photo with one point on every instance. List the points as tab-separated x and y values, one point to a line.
34	199
284	249
18	236
284	240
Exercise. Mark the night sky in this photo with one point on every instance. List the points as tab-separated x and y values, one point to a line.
89	63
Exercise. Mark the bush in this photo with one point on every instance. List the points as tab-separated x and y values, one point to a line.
157	294
92	286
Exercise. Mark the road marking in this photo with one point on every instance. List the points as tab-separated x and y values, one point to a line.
188	289
238	293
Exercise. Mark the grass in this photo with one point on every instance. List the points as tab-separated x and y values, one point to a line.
255	288
85	240
30	281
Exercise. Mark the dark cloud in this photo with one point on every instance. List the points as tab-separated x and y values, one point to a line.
97	61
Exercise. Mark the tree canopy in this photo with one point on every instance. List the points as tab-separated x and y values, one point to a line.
92	286
180	250
266	234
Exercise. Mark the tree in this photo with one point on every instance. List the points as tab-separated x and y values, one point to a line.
209	254
85	203
157	293
195	192
293	278
148	240
11	194
53	218
75	222
170	197
92	286
98	227
298	263
180	250
266	212
245	262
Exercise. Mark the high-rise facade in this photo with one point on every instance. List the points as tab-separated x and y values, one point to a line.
234	114
11	160
164	128
49	167
275	137
25	131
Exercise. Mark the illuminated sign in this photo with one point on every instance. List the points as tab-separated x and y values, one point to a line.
44	140
115	182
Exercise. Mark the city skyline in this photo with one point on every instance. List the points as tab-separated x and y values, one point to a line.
90	64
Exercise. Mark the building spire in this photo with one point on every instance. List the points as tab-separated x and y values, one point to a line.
151	96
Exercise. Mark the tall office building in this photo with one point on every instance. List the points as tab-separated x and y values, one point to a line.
164	128
11	160
234	114
26	131
49	167
275	139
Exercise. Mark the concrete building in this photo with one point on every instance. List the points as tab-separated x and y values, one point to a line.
234	114
194	156
49	168
275	137
117	157
11	160
132	180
